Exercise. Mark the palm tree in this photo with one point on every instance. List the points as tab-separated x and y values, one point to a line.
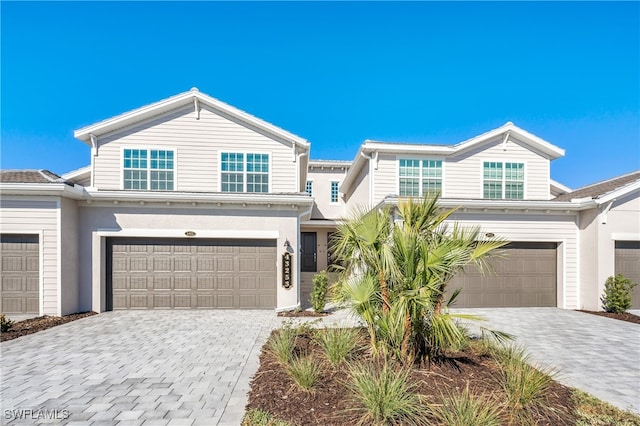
413	259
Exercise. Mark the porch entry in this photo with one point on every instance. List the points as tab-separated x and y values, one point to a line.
309	252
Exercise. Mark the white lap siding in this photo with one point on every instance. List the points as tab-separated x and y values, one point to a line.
40	216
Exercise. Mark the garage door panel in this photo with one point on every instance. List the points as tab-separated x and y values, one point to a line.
627	263
137	283
215	274
19	274
526	276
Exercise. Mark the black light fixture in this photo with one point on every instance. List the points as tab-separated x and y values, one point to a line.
287	244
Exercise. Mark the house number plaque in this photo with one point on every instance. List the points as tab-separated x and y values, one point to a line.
286	270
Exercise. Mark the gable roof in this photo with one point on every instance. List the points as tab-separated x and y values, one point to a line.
616	186
506	130
193	96
30	176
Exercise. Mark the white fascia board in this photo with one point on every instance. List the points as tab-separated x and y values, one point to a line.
551	150
403	148
620	192
319	223
86	170
173	102
60	189
186	197
560	186
507	205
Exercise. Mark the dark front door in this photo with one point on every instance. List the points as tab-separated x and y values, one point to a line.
309	254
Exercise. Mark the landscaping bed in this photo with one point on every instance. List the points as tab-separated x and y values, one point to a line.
275	397
625	316
33	325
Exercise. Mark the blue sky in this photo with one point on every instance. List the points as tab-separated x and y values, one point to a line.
333	73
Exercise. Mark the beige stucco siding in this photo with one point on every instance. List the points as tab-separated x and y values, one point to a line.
324	208
197	144
359	194
99	223
70	291
597	241
463	173
561	229
39	215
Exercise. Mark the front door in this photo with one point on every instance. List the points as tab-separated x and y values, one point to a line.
309	254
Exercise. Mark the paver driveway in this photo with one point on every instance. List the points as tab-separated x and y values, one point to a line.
136	367
596	354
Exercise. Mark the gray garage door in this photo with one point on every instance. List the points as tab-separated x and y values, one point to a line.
191	274
525	277
20	274
628	264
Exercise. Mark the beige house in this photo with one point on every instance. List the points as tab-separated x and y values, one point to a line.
190	203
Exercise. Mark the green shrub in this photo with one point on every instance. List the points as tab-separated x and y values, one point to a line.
319	293
305	372
337	343
464	409
5	323
281	344
617	294
256	417
385	395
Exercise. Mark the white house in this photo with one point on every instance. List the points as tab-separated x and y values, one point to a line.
190	203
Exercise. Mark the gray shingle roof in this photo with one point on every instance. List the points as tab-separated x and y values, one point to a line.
595	190
30	176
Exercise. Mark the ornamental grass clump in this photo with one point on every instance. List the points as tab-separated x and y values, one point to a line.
305	372
385	395
464	409
281	344
525	386
337	343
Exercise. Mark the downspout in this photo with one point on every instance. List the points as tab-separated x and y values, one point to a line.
296	159
605	211
94	154
196	107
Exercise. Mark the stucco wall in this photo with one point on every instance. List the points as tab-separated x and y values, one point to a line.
69	285
100	222
322	178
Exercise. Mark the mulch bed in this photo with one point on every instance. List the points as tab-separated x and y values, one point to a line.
273	391
33	325
297	314
622	317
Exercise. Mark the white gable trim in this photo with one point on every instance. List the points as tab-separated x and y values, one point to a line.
194	97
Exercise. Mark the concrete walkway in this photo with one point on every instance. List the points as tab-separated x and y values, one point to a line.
598	355
133	368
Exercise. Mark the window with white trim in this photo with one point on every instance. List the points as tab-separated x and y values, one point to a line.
503	180
419	177
309	188
244	172
148	169
334	191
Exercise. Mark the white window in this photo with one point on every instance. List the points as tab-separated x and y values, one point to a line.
244	172
334	191
309	188
503	180
148	169
419	177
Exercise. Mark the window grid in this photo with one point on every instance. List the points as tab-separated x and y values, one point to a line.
309	188
145	169
239	168
409	173
503	181
334	191
418	178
